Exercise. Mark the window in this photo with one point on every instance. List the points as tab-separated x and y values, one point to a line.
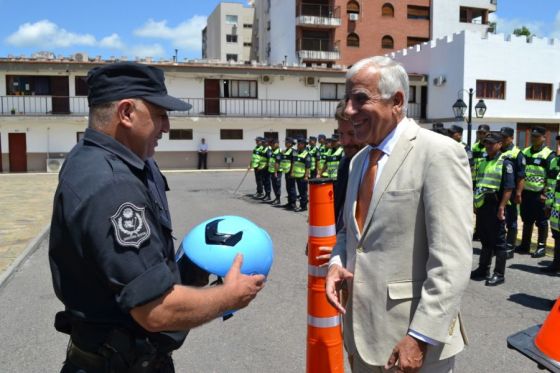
247	44
81	86
411	94
413	40
231	19
247	25
387	42
418	12
295	133
28	85
353	40
491	89
231	134
387	10
353	7
240	88
181	134
538	91
231	38
231	57
332	91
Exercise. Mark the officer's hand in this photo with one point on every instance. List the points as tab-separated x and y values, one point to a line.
335	278
242	289
501	213
407	356
517	198
542	198
326	250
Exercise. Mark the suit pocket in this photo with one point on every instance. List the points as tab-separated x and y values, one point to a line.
408	289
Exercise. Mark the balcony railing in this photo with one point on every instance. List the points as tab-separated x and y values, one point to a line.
317	49
318	15
225	107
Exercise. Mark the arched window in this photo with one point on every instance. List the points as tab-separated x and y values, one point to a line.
353	7
387	10
353	40
387	42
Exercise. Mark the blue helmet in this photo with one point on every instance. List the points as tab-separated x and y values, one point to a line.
213	244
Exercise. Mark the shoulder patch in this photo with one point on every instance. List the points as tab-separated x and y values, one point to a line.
523	161
509	168
131	227
537	161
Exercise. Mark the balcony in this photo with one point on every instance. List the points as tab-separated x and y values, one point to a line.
312	49
318	16
36	106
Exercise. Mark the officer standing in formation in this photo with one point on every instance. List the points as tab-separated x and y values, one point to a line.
301	164
286	167
538	158
478	150
552	210
275	175
255	163
495	181
127	306
514	154
313	150
333	159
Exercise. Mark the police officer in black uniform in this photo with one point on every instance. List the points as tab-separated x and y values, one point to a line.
111	249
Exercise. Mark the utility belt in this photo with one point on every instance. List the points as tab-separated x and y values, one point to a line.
120	352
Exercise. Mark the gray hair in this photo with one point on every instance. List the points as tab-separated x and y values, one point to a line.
101	115
392	76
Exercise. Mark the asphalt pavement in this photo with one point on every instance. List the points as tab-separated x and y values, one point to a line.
269	335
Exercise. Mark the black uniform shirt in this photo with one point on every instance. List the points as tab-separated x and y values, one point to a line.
518	163
111	247
508	177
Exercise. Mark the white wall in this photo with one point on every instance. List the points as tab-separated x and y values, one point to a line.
283	31
445	16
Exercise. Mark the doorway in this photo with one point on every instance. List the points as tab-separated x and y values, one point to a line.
17	145
211	96
60	92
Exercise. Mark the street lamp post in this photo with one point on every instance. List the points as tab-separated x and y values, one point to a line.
459	108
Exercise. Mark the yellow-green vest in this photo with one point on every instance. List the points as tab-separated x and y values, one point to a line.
313	153
324	158
323	150
262	160
272	160
256	156
286	161
554	202
536	169
299	165
488	179
333	161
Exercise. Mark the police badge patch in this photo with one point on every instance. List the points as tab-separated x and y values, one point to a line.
131	227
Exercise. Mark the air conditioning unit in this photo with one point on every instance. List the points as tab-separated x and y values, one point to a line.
310	81
353	16
81	57
439	81
267	79
54	164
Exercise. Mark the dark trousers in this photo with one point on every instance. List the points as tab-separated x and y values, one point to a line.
259	181
202	157
302	191
511	216
291	189
492	233
266	181
276	182
532	209
313	174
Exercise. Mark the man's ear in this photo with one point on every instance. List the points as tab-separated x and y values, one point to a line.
398	102
125	112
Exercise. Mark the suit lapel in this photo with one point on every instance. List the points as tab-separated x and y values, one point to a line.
396	159
354	180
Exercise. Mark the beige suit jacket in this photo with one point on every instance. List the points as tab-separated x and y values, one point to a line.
412	263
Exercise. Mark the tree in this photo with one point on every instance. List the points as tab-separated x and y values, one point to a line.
522	31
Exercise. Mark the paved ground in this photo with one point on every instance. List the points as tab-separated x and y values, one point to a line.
269	336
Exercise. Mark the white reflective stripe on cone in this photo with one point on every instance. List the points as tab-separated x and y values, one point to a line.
322	231
317	271
323	322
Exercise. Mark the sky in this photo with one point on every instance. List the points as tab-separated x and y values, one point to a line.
156	28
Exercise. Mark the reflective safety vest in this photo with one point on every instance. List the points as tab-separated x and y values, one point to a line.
554	202
553	171
313	153
536	169
333	161
286	161
263	160
488	179
256	156
299	165
324	159
478	154
323	150
272	160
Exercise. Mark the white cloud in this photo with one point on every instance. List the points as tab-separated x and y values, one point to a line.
112	41
185	35
46	34
506	26
556	26
141	51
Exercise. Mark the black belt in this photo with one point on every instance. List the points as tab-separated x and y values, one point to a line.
84	359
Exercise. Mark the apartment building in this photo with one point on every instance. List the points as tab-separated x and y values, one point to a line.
340	32
228	34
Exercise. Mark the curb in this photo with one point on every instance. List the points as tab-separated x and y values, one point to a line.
32	246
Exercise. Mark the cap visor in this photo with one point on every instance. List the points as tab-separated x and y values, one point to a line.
168	103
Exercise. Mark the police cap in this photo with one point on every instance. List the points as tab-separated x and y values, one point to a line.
312	138
483	128
122	80
538	131
492	137
302	140
437	125
507	131
321	136
455	129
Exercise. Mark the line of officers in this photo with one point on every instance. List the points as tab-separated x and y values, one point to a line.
505	177
299	161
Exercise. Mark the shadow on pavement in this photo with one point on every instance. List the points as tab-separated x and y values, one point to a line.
531	301
527	268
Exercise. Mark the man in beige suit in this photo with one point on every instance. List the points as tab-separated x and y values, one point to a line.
405	252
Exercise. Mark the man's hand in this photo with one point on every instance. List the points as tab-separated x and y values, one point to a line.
501	213
517	198
407	356
242	289
335	278
542	198
325	255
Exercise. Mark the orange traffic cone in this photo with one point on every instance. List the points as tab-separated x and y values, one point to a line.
324	333
548	338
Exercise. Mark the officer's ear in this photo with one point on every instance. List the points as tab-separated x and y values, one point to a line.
125	112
